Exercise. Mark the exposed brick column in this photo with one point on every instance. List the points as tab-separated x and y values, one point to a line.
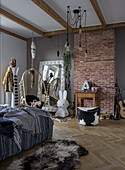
98	67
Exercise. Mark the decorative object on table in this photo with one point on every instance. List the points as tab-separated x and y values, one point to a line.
62	104
67	67
85	86
60	154
88	116
94	89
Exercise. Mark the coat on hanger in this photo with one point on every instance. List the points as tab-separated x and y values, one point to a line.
8	80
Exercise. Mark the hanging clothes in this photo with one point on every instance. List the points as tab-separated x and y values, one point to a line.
8	80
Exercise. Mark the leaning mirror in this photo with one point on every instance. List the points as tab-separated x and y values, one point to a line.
53	76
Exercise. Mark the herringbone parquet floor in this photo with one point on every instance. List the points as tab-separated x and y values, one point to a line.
105	143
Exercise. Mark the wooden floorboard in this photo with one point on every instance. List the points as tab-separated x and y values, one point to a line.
105	143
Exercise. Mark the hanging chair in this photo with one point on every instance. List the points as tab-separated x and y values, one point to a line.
32	87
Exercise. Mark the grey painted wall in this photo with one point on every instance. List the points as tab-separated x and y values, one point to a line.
47	50
0	64
12	47
120	57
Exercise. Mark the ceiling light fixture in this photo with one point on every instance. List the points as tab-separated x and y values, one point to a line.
74	19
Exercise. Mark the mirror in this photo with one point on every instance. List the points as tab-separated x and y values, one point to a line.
53	76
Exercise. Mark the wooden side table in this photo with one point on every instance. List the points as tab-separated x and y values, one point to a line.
85	95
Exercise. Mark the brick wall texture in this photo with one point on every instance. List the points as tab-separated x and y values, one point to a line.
98	67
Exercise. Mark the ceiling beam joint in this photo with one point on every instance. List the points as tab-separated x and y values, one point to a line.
46	8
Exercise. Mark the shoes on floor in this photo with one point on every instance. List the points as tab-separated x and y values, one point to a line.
104	116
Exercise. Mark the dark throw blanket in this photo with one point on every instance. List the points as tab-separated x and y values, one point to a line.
6	127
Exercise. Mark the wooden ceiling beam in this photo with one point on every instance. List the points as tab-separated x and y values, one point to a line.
52	13
20	21
90	28
55	32
116	25
98	12
13	34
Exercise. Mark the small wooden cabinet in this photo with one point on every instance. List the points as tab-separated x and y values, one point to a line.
85	95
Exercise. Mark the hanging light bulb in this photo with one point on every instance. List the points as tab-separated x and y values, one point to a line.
58	53
80	29
86	53
80	47
67	46
80	25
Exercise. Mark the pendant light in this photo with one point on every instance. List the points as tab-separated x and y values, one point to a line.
33	49
74	18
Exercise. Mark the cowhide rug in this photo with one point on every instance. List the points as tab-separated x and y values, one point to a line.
56	155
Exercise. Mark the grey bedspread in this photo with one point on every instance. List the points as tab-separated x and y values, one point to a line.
26	117
32	126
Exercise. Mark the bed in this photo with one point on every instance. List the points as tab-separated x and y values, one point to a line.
22	128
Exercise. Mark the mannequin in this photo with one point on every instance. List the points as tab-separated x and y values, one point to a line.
8	81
